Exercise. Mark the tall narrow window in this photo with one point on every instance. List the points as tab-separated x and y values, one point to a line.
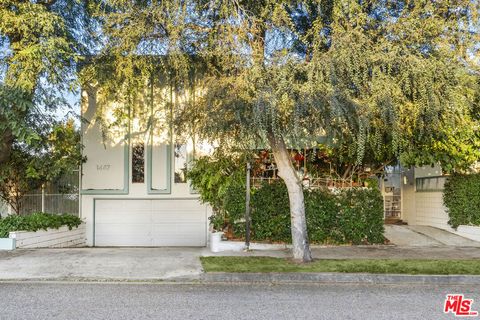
180	153
138	162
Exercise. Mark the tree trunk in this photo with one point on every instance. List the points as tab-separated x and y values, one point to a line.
301	247
6	142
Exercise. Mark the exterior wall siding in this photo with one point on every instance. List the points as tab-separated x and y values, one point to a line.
430	210
426	208
408	197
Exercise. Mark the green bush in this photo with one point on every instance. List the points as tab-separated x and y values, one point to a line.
461	196
270	214
213	177
321	209
351	216
36	221
360	217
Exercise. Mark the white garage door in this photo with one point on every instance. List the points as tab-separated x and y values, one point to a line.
150	223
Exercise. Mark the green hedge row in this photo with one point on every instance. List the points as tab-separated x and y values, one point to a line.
36	221
350	216
461	196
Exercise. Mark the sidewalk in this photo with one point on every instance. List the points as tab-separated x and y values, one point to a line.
183	264
369	252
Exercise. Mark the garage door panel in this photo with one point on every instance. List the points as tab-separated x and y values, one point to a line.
172	222
176	204
179	217
115	206
186	241
123	217
121	241
173	229
121	229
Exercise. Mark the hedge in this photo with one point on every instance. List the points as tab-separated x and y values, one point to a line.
350	216
461	197
36	221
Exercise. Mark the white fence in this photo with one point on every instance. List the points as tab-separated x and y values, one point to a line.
62	196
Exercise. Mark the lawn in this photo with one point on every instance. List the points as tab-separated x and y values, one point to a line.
267	264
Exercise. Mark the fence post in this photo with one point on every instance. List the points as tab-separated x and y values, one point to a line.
43	197
247	208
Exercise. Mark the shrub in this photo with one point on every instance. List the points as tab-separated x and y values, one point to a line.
360	216
461	196
234	205
321	211
351	216
36	221
212	177
270	213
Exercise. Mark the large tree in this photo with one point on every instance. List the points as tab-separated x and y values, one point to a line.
391	78
32	165
41	42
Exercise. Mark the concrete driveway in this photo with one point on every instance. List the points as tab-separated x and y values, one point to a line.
425	236
128	264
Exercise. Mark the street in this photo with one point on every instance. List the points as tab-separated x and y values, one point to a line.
57	300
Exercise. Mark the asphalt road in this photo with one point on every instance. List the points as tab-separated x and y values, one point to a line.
90	301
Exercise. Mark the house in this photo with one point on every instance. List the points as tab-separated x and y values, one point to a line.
415	196
134	191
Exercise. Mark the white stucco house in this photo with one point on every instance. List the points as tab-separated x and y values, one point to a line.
416	197
133	186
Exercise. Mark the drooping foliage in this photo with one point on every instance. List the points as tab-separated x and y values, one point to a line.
380	79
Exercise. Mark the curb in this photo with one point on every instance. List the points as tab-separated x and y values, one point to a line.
273	278
360	278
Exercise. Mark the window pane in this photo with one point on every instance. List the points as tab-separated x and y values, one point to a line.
180	164
430	183
138	163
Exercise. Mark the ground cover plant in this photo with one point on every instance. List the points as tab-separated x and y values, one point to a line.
37	221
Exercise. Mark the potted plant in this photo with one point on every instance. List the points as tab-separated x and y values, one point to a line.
217	221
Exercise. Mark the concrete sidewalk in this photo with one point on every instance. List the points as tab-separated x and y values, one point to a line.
368	252
154	264
101	264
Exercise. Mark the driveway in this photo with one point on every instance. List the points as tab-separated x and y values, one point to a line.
425	236
127	264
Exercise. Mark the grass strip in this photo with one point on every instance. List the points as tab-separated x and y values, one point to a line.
400	266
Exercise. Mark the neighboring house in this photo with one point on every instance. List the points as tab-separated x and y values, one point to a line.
133	188
416	197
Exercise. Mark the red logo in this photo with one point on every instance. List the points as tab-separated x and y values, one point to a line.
459	306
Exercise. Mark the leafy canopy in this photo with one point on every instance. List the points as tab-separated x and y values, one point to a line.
41	44
376	78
